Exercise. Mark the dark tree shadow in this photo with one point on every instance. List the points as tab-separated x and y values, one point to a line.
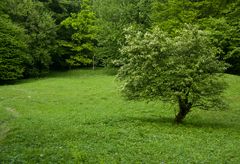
16	82
188	123
212	124
73	73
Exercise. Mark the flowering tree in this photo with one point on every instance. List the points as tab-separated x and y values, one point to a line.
181	69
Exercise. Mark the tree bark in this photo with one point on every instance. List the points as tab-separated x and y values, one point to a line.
184	108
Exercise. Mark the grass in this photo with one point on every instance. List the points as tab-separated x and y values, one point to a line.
79	117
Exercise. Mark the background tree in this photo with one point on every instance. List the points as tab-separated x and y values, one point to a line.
83	39
40	27
58	36
113	16
182	69
13	46
61	10
233	49
219	17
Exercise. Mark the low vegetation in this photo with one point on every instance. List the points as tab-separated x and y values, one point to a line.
79	117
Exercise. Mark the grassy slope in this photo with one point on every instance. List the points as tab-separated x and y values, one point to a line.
79	116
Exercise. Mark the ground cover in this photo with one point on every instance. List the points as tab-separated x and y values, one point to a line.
79	117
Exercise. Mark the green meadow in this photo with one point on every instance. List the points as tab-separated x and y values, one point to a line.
79	116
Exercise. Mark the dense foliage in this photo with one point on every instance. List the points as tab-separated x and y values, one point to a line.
182	69
219	17
40	28
71	33
12	50
83	39
113	17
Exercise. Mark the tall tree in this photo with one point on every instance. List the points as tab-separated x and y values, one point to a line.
40	27
13	46
182	69
83	39
113	17
233	49
219	17
61	10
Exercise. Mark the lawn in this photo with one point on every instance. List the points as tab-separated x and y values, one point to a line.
79	117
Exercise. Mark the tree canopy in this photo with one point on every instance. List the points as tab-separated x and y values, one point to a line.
181	68
83	39
70	33
13	56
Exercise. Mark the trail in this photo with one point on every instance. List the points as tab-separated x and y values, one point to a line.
4	127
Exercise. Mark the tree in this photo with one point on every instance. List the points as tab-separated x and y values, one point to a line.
40	27
233	48
172	14
113	16
61	10
181	69
12	50
220	17
42	32
83	39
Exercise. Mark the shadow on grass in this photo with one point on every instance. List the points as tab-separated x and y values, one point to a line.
211	124
169	122
17	82
74	73
81	72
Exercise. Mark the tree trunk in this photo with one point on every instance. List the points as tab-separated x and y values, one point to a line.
93	66
184	108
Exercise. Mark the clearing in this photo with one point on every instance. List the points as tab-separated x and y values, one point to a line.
79	117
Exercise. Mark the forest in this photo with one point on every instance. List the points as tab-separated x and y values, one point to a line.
38	36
